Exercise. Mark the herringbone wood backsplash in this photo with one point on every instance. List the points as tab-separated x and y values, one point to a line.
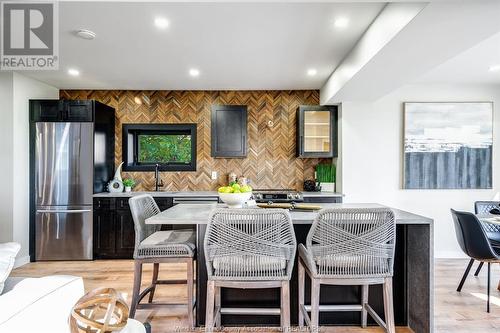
271	161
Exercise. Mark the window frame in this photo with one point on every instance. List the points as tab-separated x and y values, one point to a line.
130	146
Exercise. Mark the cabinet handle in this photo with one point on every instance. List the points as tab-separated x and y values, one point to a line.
66	211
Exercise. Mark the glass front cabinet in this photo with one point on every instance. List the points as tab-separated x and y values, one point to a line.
317	133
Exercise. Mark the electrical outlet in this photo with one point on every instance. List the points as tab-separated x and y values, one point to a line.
214	175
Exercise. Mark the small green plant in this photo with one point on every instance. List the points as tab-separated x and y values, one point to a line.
128	182
325	173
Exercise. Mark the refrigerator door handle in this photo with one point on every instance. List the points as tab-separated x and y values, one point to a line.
68	211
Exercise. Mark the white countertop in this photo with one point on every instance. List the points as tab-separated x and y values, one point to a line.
196	194
159	194
200	213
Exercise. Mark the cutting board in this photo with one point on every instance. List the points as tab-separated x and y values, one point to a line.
298	206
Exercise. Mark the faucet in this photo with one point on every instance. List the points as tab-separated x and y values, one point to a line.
158	180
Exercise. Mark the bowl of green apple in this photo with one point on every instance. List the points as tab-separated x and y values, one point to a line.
234	195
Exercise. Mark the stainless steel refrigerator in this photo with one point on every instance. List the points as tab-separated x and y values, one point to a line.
69	158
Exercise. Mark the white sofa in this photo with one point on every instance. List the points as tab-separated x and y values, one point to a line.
43	305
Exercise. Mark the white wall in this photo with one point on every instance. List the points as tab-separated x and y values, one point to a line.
372	145
14	128
6	147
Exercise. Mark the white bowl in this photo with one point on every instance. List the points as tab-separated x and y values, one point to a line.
235	200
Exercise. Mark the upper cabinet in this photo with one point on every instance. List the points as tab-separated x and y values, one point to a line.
62	110
317	133
229	131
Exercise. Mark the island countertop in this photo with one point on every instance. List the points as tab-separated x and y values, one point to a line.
200	213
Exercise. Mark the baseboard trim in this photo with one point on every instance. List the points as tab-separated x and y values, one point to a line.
21	261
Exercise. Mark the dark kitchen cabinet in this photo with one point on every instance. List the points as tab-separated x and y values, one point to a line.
79	110
124	233
63	110
104	234
229	131
46	110
114	234
317	131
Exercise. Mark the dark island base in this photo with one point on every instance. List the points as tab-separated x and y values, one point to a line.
411	287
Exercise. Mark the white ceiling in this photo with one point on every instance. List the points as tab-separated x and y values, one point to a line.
471	66
234	45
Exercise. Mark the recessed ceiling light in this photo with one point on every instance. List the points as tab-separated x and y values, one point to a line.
341	22
194	72
73	72
494	68
85	34
161	23
312	71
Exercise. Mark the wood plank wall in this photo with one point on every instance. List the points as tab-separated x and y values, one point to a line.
271	161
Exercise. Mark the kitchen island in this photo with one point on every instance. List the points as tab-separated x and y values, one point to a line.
412	283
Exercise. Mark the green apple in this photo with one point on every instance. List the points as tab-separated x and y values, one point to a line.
236	187
246	188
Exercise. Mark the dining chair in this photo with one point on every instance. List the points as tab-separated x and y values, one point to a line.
348	247
474	242
248	249
492	232
155	246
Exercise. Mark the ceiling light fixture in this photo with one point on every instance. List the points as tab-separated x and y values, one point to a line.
194	72
73	72
161	23
494	68
85	34
341	22
312	71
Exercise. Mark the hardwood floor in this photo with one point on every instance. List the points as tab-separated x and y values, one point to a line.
454	312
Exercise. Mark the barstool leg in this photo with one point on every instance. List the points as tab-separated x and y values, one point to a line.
301	291
364	301
217	306
388	306
315	287
478	270
190	292
154	280
136	288
488	286
285	306
209	318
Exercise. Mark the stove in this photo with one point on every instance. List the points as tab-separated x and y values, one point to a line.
277	195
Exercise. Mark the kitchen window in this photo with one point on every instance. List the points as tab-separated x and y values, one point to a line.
171	146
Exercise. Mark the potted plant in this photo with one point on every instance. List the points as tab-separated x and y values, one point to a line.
128	183
325	175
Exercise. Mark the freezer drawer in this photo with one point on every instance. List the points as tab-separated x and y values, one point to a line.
63	233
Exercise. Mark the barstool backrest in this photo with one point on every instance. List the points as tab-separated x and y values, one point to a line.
243	244
143	207
353	242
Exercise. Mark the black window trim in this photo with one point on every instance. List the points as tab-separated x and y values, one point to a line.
156	129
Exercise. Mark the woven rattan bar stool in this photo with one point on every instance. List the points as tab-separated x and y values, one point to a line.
348	247
249	248
155	246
